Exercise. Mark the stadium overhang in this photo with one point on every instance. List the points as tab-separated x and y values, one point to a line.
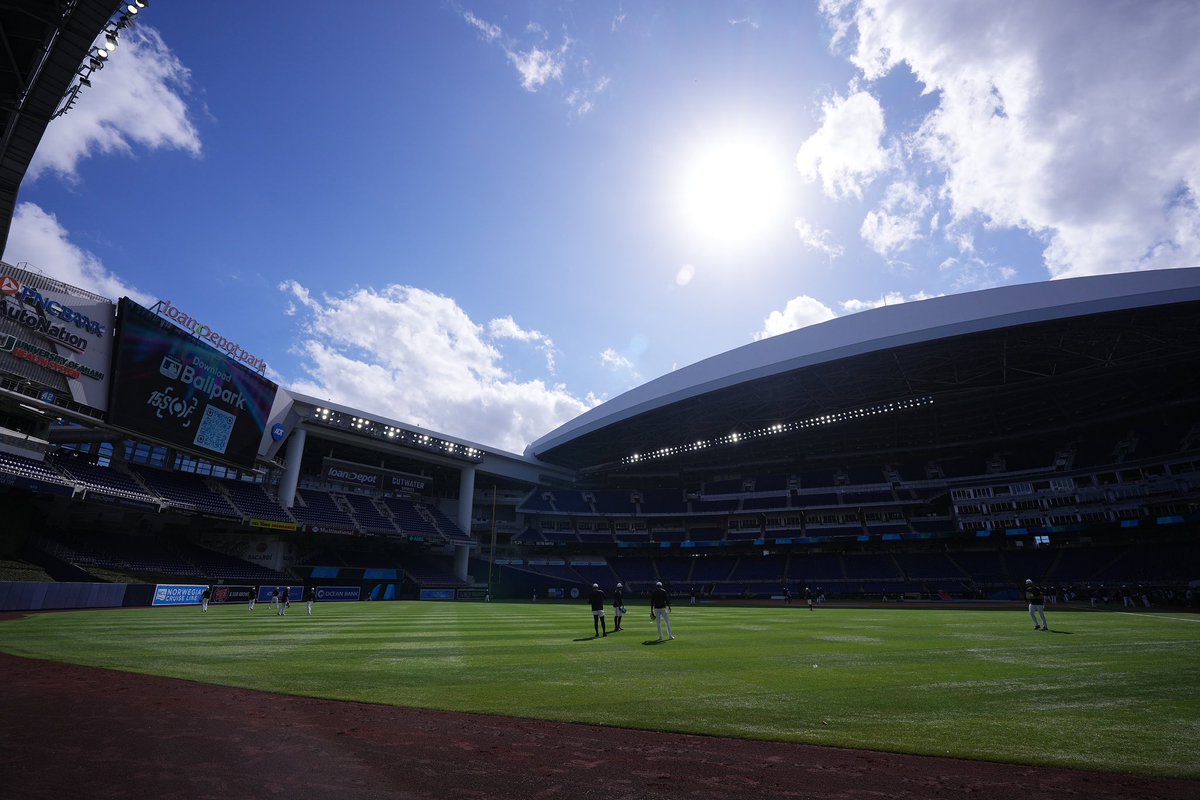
955	368
42	47
355	427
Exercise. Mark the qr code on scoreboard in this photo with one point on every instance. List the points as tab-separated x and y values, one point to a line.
215	429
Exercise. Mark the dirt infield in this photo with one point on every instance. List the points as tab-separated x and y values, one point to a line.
70	731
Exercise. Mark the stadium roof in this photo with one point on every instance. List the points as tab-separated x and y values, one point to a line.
991	365
42	44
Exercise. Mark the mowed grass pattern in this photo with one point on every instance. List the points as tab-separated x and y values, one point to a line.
1106	691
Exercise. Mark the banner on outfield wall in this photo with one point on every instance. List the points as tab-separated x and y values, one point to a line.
295	593
472	594
338	594
231	594
437	594
57	337
178	594
385	480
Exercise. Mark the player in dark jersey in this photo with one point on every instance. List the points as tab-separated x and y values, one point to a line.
660	609
618	607
596	598
1037	604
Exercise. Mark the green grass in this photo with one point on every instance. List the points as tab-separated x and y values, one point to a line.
1104	691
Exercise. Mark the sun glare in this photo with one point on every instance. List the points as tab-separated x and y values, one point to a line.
732	192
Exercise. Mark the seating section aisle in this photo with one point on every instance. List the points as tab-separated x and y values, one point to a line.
368	516
252	500
185	490
318	509
105	480
23	467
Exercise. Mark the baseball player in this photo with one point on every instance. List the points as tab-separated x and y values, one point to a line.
618	606
660	609
596	598
207	593
1037	604
310	597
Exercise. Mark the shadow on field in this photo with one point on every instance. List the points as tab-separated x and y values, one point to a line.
586	639
1064	633
651	642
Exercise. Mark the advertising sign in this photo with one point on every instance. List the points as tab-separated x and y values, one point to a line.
185	393
387	480
57	337
178	594
295	593
437	594
335	594
231	594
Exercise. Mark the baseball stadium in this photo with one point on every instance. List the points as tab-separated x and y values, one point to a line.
845	519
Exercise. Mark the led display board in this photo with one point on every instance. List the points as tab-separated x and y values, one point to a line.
175	388
55	341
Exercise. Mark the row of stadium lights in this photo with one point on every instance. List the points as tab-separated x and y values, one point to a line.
779	428
391	433
98	54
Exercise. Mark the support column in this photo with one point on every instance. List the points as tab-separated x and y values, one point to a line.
291	470
461	564
466	499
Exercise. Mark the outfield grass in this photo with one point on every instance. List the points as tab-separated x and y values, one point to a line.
1105	691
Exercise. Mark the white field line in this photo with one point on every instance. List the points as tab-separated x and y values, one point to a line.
1157	616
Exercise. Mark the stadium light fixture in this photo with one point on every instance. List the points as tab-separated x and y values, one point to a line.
780	428
97	54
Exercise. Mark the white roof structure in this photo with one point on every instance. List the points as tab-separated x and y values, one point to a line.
880	330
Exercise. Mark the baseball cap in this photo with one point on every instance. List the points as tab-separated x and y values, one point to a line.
1029	580
658	583
619	585
595	586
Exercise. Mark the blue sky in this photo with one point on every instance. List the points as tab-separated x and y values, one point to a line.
484	218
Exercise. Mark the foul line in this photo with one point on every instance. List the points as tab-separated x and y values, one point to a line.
1158	616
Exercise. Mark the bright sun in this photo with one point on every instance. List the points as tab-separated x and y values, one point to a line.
732	192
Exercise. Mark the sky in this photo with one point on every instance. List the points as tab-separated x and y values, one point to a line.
485	218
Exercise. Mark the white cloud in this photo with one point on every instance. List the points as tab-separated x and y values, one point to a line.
611	358
846	151
897	221
37	237
1075	121
972	272
489	31
685	274
888	299
818	240
537	66
413	355
507	328
800	312
136	102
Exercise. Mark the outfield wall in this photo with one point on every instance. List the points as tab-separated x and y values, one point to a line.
43	596
38	596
